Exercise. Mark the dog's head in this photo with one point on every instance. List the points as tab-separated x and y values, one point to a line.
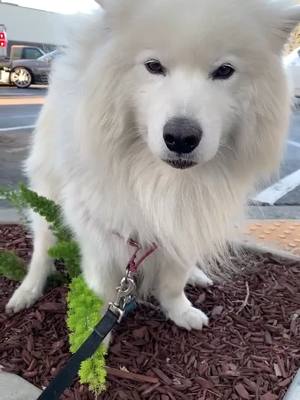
199	74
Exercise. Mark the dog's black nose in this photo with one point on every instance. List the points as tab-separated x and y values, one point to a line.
182	135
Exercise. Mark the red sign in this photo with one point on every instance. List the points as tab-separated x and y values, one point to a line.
3	39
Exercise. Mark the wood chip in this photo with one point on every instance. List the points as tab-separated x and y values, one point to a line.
269	396
131	376
241	391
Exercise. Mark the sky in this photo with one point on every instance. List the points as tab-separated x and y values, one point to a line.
61	6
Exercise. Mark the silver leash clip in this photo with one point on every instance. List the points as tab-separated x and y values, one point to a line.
125	293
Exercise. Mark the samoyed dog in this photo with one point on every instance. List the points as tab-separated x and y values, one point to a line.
161	117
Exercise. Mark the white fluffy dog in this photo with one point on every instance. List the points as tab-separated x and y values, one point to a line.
160	118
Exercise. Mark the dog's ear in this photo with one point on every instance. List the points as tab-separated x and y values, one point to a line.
284	16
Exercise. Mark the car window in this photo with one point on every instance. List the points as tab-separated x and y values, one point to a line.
16	52
31	53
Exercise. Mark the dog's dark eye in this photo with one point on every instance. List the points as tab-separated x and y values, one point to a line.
225	71
155	67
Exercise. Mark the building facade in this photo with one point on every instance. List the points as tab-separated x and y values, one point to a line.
23	25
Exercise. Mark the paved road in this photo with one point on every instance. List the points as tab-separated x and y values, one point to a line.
13	150
18	116
14	142
34	90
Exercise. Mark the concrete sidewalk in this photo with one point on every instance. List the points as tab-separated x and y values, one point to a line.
9	215
283	234
13	387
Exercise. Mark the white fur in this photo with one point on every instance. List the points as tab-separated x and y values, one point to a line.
98	147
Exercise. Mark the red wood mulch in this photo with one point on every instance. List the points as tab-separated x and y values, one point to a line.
251	350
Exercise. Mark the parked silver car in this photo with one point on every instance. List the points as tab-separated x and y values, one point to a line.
26	72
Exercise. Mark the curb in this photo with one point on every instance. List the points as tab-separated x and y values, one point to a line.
17	101
13	387
273	212
9	216
293	392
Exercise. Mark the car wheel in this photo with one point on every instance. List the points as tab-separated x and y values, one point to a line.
21	77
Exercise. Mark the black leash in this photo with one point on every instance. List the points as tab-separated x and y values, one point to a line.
69	372
123	304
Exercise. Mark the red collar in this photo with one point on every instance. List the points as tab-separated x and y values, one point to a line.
133	263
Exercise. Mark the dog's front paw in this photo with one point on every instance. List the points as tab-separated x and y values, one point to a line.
199	278
22	298
190	318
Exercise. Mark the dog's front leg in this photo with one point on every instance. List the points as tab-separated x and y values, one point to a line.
101	267
171	283
40	267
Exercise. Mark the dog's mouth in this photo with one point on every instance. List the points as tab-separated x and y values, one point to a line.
181	164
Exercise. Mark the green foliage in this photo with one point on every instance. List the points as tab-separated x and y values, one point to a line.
84	310
13	196
47	209
65	248
11	266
